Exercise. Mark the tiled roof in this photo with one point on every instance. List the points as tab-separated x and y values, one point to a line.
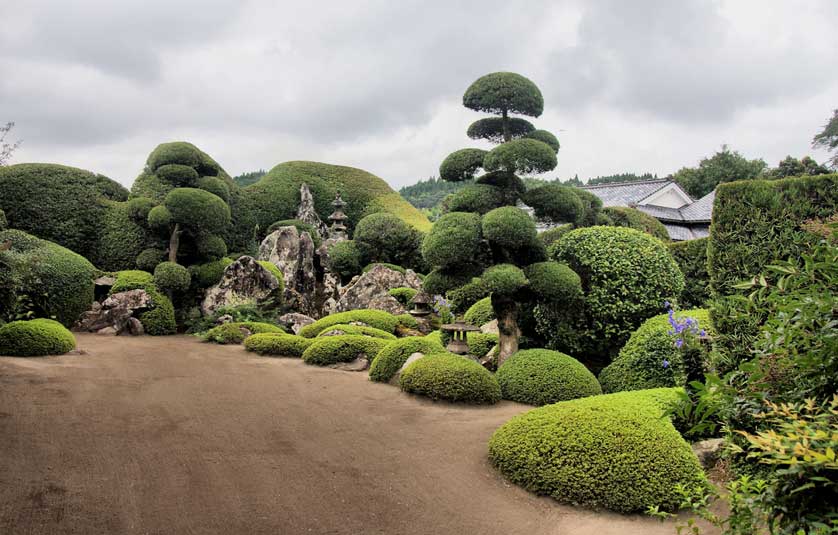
626	193
700	210
683	232
661	212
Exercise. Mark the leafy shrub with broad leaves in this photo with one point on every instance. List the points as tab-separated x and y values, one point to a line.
541	377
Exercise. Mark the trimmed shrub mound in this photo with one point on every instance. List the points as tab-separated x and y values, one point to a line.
275	344
132	279
613	451
356	329
621	216
479	344
541	377
234	332
640	364
171	277
372	318
452	378
403	295
205	275
35	338
343	348
390	359
160	319
408	321
480	312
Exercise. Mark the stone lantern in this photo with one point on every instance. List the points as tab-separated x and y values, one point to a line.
458	344
338	218
421	305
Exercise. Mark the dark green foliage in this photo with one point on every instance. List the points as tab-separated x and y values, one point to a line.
403	295
361	330
280	345
452	378
440	281
345	259
613	451
479	198
465	296
215	186
593	208
521	156
198	209
556	203
176	152
246	179
159	217
540	377
550	236
206	275
724	166
373	318
392	357
510	184
171	277
626	277
121	238
300	226
342	348
500	93
504	279
508	228
640	364
754	224
148	259
35	338
383	237
57	282
691	256
3	222
177	174
159	320
790	167
132	279
461	165
480	312
620	216
491	129
429	193
236	332
621	177
454	240
554	282
139	207
211	246
545	137
57	203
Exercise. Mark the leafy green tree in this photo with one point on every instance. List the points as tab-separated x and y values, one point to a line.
6	148
724	166
828	139
198	214
791	166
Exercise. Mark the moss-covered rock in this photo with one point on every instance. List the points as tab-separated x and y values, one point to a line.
541	377
449	377
35	338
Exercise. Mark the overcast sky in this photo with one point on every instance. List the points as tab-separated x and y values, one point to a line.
628	86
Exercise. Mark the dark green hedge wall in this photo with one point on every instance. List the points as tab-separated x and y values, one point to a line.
691	256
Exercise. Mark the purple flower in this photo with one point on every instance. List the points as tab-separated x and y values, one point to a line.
665	363
679	342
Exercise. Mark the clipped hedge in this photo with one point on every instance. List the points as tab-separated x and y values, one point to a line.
454	240
621	216
383	237
121	238
640	364
449	377
373	318
132	279
171	277
614	451
403	295
35	338
479	344
541	377
342	348
356	329
691	256
236	332
206	275
461	165
392	357
477	198
280	345
754	223
480	312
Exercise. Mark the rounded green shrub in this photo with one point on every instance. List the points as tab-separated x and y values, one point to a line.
383	237
214	185
35	338
440	281
614	451
541	377
509	227
236	332
345	259
160	320
491	129
461	165
159	217
389	360
453	241
452	378
504	279
501	92
407	321
121	237
372	318
621	216
139	207
171	277
522	156
551	236
280	345
480	312
343	348
403	295
650	359
360	330
479	344
132	279
177	174
545	137
211	246
626	276
477	198
176	152
149	258
200	208
57	281
554	282
206	275
556	203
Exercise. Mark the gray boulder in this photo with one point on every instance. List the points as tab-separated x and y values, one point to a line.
293	253
295	321
306	212
116	315
244	282
370	290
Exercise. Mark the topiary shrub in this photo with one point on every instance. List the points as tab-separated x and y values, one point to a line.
279	345
554	282
121	238
455	240
621	216
551	236
452	378
214	185
372	318
343	348
691	256
650	359
389	360
56	282
509	227
211	246
171	277
614	451
139	207
556	203
479	344
148	259
206	275
461	165
132	279
356	329
35	338
545	137
477	198
345	259
236	332
403	295
521	155
407	321
626	277
541	377
480	312
383	237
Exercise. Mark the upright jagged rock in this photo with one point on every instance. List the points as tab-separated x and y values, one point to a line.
307	213
244	281
293	253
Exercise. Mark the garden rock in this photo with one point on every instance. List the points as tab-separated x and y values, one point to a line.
292	252
490	328
306	212
226	318
410	360
708	451
295	321
115	315
370	290
244	282
360	364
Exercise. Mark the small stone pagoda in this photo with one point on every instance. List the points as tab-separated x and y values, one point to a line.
338	219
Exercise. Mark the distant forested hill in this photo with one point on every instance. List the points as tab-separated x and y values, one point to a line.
246	179
623	177
429	193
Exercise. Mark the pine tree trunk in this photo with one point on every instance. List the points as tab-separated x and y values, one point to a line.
506	310
174	243
507	136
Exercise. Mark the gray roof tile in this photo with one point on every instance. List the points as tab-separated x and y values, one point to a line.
626	193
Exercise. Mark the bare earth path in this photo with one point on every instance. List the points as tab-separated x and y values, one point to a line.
169	435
